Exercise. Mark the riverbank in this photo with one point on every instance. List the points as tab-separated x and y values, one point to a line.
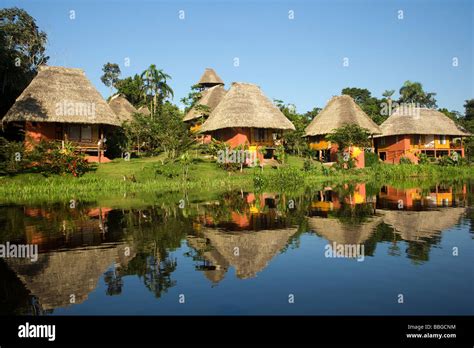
127	179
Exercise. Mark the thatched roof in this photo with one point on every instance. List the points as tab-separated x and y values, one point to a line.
336	231
210	78
339	111
256	249
59	94
414	225
245	105
210	97
144	110
58	274
420	121
122	108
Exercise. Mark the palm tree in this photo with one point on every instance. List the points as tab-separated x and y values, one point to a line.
412	92
155	87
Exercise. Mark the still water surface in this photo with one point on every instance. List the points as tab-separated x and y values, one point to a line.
247	253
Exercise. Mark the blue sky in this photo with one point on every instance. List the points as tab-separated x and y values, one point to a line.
297	60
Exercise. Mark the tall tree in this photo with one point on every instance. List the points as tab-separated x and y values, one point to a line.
111	75
22	51
132	89
412	92
155	87
469	110
468	123
192	98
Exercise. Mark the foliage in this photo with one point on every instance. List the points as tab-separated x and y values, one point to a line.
166	134
280	154
350	135
412	92
111	74
405	160
12	159
156	88
453	160
132	89
50	158
423	159
371	159
294	142
192	98
22	51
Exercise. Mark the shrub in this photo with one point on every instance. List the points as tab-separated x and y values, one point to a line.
423	159
12	157
405	160
371	159
50	158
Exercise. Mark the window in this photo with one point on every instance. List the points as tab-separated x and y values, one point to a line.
74	132
81	133
382	141
86	133
442	139
259	134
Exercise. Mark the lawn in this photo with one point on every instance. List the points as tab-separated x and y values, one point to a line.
137	179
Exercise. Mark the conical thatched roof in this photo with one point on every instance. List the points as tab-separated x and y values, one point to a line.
122	108
339	111
255	249
210	78
336	231
245	105
414	225
59	94
420	121
58	274
210	97
144	110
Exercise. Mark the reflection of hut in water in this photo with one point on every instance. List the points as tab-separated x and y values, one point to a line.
336	231
248	252
415	198
328	200
417	225
57	275
71	228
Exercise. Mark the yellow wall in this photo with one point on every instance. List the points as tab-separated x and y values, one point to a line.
321	145
437	143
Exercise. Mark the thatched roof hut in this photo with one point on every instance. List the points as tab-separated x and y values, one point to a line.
255	249
408	120
210	97
244	105
58	274
340	111
415	225
122	108
144	110
210	78
59	94
336	231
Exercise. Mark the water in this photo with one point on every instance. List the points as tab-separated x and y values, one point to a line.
247	253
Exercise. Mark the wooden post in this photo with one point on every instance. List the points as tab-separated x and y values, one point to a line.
101	143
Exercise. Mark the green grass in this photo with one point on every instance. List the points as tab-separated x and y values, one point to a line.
106	182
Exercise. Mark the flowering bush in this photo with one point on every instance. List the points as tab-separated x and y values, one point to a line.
48	157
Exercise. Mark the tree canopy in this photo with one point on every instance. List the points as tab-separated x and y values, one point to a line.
22	51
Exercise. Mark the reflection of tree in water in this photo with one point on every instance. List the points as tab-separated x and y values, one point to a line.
417	251
156	232
114	282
